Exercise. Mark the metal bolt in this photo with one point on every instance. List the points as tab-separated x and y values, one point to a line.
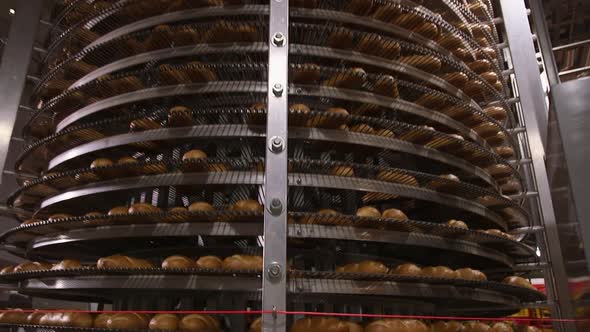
277	89
278	39
277	144
274	271
276	207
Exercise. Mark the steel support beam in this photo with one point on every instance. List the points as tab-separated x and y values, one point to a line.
274	286
544	41
534	109
13	69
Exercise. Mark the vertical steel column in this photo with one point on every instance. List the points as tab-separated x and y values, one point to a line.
532	100
544	41
13	69
274	285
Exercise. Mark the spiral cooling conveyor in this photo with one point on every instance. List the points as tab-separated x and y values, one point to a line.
151	142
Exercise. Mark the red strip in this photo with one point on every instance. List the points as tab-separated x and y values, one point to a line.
306	313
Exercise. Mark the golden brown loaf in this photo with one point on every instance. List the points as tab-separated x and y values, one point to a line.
16	316
101	162
179	116
475	327
451	326
501	327
51	319
401	325
438	272
32	266
362	128
7	269
77	319
128	321
498	232
319	324
396	214
209	262
178	262
34	318
505	152
178	209
200	206
457	223
143	208
67	264
166	322
408	269
100	322
397	177
363	267
343	171
306	73
499	170
199	323
249	205
120	261
118	210
127	161
518	281
368	211
242	262
470	274
256	325
194	155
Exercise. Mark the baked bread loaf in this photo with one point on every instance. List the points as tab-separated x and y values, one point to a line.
499	171
128	321
124	262
352	78
200	206
518	281
180	116
501	327
100	322
101	162
385	325
242	262
77	319
332	118
427	63
178	262
451	326
51	319
475	327
457	79
209	262
408	269
368	211
178	209
67	264
470	274
498	232
340	38
439	272
249	205
7	270
194	155
199	323
317	324
457	223
363	267
34	318
15	316
297	114
385	133
395	214
165	322
256	325
343	171
362	128
387	86
32	266
118	210
143	208
397	177
505	152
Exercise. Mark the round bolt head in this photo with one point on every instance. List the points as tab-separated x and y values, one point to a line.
276	207
278	39
277	89
274	271
276	144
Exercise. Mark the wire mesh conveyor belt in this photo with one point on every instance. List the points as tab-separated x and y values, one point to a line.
150	140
